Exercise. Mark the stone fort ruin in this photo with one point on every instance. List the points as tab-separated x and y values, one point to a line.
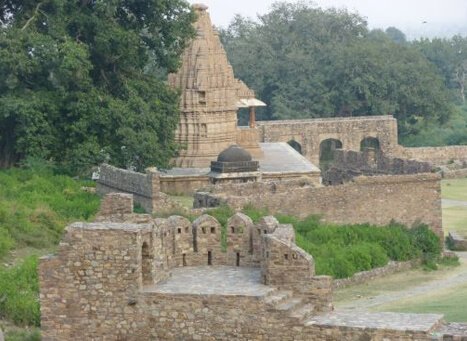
133	277
130	276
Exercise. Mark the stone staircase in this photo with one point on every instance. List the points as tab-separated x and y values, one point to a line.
294	307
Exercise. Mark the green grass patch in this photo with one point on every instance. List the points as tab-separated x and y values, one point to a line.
36	205
19	293
454	189
445	302
455	219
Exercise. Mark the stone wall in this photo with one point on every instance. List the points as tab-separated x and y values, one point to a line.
350	131
377	200
435	155
145	188
365	276
348	164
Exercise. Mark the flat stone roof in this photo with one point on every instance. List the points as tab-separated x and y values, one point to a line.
213	280
277	157
389	321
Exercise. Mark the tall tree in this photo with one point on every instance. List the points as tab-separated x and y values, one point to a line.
75	85
308	62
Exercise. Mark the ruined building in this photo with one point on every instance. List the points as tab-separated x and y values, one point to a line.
133	277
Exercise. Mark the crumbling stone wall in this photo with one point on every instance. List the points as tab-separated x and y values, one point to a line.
351	131
377	199
349	164
145	188
435	155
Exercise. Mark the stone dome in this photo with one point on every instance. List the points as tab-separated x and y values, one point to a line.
234	153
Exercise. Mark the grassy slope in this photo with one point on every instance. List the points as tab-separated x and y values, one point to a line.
35	207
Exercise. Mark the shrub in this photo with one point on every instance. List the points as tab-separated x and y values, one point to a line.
19	298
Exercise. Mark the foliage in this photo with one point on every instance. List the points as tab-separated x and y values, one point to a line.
309	62
35	206
23	335
19	298
77	81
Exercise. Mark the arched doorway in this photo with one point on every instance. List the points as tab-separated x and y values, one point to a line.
295	145
369	142
326	152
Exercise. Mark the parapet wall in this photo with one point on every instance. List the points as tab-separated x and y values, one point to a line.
378	200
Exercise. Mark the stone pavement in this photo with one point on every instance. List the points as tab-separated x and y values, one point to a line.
388	321
213	280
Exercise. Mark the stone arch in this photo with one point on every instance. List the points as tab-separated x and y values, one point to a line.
146	264
295	145
326	152
370	142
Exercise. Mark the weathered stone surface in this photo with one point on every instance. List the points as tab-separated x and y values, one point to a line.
349	164
374	199
210	93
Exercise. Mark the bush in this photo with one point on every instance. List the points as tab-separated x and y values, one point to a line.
340	251
19	293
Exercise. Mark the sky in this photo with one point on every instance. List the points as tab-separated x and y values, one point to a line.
416	18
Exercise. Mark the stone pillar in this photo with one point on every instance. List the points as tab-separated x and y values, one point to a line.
252	117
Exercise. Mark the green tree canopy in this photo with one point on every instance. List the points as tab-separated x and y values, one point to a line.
309	62
77	84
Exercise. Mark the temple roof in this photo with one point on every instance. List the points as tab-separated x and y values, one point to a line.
206	77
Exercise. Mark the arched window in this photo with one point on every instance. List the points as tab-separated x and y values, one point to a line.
369	142
295	145
326	152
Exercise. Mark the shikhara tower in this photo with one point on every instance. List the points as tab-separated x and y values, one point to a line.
210	97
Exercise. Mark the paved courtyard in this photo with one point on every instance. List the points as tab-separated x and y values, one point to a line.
213	280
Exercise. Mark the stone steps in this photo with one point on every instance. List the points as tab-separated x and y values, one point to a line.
303	311
277	297
289	304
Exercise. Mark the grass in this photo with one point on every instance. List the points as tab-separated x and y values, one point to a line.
454	189
35	207
454	217
444	302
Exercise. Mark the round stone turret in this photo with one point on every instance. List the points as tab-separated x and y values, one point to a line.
200	7
234	153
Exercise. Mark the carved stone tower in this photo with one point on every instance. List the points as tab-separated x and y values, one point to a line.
210	97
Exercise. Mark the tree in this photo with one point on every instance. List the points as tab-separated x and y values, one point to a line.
75	81
450	57
308	62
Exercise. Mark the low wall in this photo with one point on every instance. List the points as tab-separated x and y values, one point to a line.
378	200
435	155
365	276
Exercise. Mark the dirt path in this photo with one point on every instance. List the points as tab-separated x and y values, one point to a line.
452	279
453	203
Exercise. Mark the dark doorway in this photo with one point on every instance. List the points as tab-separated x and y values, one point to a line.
295	145
326	152
369	142
238	258
209	257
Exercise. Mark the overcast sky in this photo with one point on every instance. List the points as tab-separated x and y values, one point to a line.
442	17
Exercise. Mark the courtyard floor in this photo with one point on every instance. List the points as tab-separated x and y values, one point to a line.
213	280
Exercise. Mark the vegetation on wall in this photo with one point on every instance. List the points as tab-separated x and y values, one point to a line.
82	82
